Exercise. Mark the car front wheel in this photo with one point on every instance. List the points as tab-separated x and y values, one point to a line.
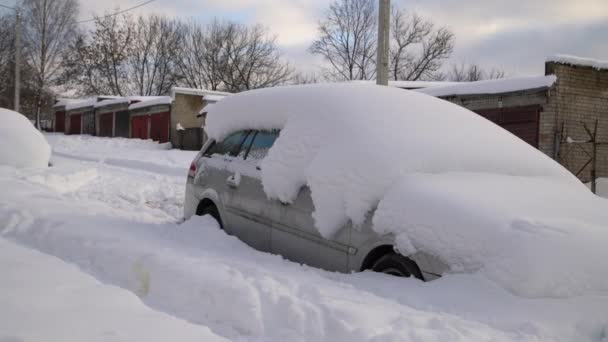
397	265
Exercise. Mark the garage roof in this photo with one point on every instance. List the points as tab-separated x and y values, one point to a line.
497	86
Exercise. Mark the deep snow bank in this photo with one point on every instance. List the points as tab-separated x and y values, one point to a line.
198	273
550	242
131	153
354	144
45	299
21	144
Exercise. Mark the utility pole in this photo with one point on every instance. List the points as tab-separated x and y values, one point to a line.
384	15
17	60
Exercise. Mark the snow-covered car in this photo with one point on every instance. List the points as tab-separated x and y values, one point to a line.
21	144
349	177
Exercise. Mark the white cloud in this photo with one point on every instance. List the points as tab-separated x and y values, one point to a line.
476	23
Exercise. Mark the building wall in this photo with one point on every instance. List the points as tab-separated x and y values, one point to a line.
184	111
578	99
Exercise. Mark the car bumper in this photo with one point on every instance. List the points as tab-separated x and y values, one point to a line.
190	200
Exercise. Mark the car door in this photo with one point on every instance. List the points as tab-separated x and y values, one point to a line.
217	159
296	237
251	212
293	234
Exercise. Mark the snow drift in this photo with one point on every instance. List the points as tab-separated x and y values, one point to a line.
360	146
21	144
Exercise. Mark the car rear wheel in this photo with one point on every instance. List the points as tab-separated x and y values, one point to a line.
397	265
212	211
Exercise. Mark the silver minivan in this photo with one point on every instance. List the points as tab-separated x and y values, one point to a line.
224	182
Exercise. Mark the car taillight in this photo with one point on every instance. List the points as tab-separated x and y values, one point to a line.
192	171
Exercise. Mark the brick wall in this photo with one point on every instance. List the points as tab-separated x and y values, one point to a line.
579	98
184	111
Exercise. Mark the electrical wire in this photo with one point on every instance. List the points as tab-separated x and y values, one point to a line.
116	13
11	8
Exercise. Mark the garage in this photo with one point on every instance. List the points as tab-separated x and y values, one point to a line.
515	104
60	121
80	117
159	127
139	126
522	121
150	118
106	125
121	123
75	124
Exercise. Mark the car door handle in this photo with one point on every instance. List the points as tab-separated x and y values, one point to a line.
233	181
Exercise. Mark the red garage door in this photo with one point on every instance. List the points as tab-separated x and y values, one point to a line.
75	123
521	121
60	121
139	127
106	122
159	127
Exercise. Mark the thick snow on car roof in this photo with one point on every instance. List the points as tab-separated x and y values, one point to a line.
433	134
359	147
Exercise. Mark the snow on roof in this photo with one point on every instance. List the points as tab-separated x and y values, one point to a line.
410	84
151	101
497	86
197	92
581	61
396	153
126	99
419	84
213	98
64	101
110	102
81	104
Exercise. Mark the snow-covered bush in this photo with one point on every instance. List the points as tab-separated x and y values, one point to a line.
21	144
445	181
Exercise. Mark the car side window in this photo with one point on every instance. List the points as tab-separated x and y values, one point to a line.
229	146
262	142
246	144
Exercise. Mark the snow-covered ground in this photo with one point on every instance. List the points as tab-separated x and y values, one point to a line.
111	207
45	299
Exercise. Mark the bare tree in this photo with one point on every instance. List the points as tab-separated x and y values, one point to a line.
418	49
347	39
305	78
98	61
48	25
232	57
253	60
7	48
29	94
203	55
153	59
472	72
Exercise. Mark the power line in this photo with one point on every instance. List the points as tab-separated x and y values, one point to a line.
11	8
116	13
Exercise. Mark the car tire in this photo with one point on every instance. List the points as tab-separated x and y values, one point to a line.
212	211
397	265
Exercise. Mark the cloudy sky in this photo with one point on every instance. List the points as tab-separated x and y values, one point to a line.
514	35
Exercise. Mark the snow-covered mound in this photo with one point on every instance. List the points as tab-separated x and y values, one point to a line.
21	144
45	299
360	146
